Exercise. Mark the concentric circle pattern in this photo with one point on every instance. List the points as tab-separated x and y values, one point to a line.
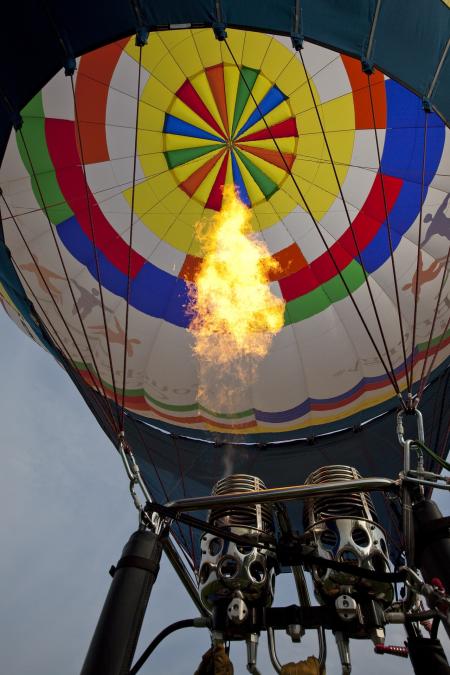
247	113
233	145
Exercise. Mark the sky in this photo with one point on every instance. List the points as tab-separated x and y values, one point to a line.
66	514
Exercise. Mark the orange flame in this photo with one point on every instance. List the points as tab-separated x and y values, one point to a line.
235	314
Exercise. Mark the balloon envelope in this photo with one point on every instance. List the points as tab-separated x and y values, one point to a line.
211	114
105	181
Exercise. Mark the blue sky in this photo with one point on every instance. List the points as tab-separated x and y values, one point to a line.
66	514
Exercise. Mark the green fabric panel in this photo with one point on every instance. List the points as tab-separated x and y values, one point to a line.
34	108
421	347
246	81
33	143
325	295
184	155
265	184
191	407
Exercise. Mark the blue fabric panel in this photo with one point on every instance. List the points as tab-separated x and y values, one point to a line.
156	292
239	181
152	291
80	246
173	125
402	158
271	100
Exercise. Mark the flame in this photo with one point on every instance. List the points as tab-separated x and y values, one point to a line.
234	313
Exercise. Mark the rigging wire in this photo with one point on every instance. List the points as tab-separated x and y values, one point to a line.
437	458
389	233
320	233
436	352
355	241
70	364
430	338
63	319
58	249
161	482
94	244
130	243
419	252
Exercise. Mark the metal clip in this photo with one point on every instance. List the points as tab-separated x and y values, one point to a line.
134	474
407	443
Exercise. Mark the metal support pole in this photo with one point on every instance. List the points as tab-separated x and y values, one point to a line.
284	493
114	642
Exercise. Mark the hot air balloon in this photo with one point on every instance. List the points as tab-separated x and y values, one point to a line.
286	374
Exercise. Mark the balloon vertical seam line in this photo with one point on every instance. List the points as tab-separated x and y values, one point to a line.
59	342
389	233
52	297
437	349
49	323
133	194
51	294
94	246
58	249
419	251
327	248
436	310
349	220
52	232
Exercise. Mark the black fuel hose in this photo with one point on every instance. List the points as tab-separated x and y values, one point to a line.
178	625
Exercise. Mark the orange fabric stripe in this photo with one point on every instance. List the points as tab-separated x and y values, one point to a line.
217	84
271	156
191	268
92	86
361	95
290	260
191	184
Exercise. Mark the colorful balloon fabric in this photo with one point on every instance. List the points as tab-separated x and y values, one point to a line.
210	116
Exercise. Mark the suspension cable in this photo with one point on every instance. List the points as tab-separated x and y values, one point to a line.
63	319
436	352
161	482
60	256
430	338
94	244
419	251
70	363
355	241
130	243
389	233
319	231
